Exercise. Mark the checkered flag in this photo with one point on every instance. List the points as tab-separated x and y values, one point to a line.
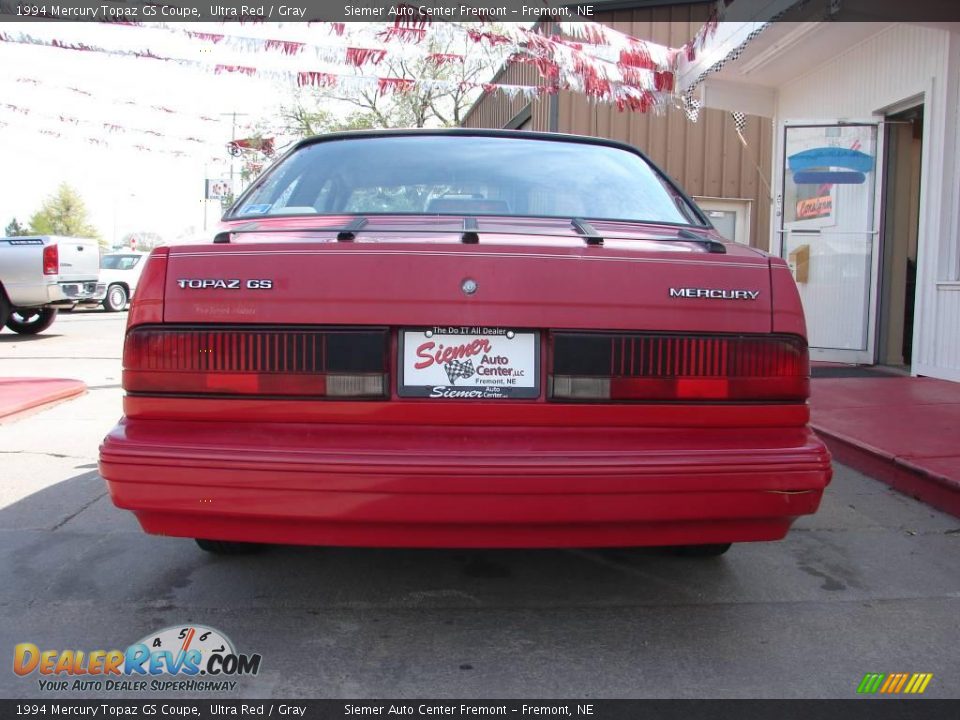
691	106
739	121
457	369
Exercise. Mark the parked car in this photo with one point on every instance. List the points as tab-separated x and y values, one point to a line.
119	274
465	339
41	274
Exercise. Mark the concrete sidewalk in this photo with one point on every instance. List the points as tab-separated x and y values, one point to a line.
904	431
22	395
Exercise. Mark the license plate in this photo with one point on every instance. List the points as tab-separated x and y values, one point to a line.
465	363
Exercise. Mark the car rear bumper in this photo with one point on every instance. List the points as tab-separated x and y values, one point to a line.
370	485
79	292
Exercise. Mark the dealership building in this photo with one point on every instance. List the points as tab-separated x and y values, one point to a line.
847	163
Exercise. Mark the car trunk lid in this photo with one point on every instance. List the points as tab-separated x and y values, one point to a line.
418	272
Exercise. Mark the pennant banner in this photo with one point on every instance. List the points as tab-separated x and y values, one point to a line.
138	104
71	132
637	91
108	126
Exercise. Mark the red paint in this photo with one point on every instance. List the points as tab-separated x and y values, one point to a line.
522	283
499	486
787	312
900	430
19	395
148	307
422	472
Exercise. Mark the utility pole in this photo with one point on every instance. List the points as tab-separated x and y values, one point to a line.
233	136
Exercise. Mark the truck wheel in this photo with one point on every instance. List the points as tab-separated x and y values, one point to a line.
32	321
701	551
116	299
225	547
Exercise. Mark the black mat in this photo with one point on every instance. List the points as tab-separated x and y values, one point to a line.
854	371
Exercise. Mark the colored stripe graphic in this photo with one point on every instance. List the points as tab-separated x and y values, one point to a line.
870	683
890	682
894	683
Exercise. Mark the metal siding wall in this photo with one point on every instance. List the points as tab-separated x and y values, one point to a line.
705	158
497	110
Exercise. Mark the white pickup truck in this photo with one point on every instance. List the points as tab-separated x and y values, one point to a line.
40	274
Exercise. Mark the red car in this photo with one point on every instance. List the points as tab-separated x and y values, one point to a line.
465	339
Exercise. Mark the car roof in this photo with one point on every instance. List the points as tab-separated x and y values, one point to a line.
467	132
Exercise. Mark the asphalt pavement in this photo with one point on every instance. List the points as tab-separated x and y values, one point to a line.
869	584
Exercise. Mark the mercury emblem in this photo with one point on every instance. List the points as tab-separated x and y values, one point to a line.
469	286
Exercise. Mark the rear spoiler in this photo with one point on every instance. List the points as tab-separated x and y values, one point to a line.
472	233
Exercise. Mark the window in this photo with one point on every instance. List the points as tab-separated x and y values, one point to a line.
731	217
468	175
119	262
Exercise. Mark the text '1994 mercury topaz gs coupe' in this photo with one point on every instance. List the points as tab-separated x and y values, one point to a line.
465	339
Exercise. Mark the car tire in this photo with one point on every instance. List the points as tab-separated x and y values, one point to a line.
702	551
116	299
226	547
4	308
31	322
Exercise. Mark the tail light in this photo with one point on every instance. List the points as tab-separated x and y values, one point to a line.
589	366
51	260
308	363
146	307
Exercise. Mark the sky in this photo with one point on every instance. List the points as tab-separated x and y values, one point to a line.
125	189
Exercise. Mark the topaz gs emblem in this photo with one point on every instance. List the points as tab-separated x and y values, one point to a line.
469	286
714	294
224	284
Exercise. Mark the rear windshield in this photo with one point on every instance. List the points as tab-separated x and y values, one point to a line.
119	262
467	175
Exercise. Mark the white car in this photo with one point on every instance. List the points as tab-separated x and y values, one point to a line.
119	274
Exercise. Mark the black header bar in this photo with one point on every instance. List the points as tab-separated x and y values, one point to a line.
583	709
524	11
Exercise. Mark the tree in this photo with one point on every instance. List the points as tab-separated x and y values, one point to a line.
15	229
63	213
451	69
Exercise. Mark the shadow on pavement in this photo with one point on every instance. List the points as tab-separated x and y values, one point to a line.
6	336
799	618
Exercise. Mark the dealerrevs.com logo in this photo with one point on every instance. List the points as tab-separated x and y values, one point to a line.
185	658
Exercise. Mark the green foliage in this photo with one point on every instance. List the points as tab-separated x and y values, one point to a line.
15	229
64	213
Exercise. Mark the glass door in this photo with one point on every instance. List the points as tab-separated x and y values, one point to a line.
829	223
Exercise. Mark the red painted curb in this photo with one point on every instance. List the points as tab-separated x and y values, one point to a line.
18	395
901	474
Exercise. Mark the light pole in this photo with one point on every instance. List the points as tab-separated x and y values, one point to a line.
233	136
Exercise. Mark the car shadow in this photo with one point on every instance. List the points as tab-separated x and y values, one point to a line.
387	622
10	336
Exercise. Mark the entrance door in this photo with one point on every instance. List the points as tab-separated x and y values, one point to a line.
829	227
901	229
